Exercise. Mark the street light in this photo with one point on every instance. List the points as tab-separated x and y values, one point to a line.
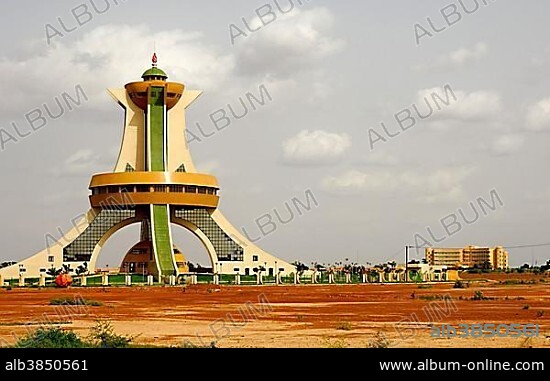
407	260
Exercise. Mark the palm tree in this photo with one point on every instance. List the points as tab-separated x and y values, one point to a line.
82	269
53	272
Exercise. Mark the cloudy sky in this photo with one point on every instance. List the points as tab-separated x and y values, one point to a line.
464	99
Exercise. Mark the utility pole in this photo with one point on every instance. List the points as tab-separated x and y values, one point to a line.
407	264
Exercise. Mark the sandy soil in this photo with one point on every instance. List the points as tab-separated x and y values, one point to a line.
290	316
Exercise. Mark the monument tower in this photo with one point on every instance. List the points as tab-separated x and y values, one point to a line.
154	184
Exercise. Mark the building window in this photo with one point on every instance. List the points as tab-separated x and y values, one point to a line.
176	189
42	270
191	189
202	190
143	189
113	190
247	271
255	258
236	269
51	258
159	188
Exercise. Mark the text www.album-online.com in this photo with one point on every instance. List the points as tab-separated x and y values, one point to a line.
487	365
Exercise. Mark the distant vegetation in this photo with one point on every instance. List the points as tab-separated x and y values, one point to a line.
47	338
101	335
344	326
67	301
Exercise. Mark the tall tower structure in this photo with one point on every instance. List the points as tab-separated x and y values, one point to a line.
154	184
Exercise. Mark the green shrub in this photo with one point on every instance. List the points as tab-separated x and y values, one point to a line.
102	335
478	295
460	284
379	341
344	326
434	297
51	338
67	301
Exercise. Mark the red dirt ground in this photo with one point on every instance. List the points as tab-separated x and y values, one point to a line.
290	316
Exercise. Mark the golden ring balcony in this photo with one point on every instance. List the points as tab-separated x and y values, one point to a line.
139	92
154	188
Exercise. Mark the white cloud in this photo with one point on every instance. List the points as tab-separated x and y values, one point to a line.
315	148
292	43
208	166
463	56
82	162
538	116
110	56
462	106
457	58
507	144
380	158
441	185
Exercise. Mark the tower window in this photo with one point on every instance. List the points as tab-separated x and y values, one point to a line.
176	189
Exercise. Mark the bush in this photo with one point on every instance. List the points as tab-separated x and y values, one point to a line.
478	295
344	326
460	284
51	338
379	341
67	301
102	335
434	297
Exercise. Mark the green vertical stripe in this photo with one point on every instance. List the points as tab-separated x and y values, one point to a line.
156	129
162	244
159	213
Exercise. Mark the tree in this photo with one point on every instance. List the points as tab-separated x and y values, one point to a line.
67	268
53	272
103	335
259	269
300	267
82	269
320	268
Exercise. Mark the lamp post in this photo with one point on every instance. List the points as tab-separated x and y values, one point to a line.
407	263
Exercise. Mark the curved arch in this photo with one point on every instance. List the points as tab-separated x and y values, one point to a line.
99	246
202	237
